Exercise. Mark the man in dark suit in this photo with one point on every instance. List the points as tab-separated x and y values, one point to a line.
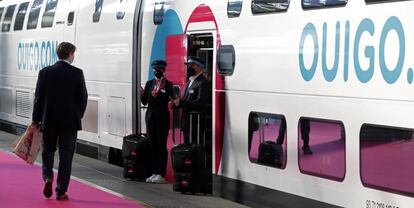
59	104
157	94
195	99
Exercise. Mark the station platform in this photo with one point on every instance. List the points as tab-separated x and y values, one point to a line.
93	184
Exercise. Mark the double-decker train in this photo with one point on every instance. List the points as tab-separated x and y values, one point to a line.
341	68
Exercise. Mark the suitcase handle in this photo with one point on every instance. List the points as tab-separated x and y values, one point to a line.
198	127
261	129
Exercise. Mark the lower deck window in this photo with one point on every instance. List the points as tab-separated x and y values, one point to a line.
266	139
386	161
322	148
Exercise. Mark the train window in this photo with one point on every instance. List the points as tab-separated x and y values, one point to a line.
34	14
1	13
8	18
322	3
21	14
234	8
98	9
269	6
226	60
122	8
159	12
49	14
266	139
71	18
321	148
386	158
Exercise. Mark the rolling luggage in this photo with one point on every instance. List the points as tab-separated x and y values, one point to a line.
136	154
270	153
189	164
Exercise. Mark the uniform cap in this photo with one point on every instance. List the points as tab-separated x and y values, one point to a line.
158	63
195	60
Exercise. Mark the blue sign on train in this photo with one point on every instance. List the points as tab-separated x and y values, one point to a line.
372	53
36	55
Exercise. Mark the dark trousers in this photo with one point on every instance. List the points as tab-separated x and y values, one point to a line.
158	135
282	131
66	143
304	131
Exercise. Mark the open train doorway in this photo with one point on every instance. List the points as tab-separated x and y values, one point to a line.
202	46
178	49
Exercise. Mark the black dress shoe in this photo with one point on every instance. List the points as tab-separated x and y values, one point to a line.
47	190
62	197
307	150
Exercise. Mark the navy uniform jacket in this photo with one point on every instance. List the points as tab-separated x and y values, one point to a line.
195	100
157	106
60	98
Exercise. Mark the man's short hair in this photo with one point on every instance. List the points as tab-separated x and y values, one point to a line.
64	49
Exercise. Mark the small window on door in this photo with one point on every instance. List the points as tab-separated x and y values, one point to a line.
159	12
98	10
71	18
21	14
49	14
234	8
8	18
34	14
226	60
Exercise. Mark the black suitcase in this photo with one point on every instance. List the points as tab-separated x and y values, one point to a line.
136	154
188	157
189	164
270	153
191	182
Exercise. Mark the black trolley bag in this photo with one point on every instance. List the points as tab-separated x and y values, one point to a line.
136	154
189	164
270	153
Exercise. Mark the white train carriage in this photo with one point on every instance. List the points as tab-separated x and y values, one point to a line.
338	73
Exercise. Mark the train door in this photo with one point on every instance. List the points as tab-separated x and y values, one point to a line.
178	48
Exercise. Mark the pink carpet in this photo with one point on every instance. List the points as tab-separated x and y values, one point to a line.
21	186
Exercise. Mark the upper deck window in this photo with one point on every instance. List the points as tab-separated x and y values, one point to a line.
8	18
97	13
234	8
21	14
34	14
322	3
159	13
269	6
49	14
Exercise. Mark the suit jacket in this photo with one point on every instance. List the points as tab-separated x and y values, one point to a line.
60	98
157	106
195	98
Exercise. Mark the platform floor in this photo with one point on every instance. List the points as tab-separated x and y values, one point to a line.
94	184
